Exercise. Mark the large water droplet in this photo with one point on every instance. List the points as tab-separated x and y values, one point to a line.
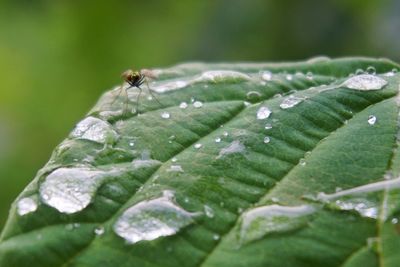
26	205
70	190
263	113
149	220
95	130
365	82
290	102
222	76
234	147
261	221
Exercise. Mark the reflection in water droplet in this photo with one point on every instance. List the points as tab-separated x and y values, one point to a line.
234	147
261	221
365	82
165	115
197	104
26	205
263	113
183	105
266	75
371	120
94	129
151	219
290	102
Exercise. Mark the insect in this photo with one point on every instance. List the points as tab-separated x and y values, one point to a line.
135	79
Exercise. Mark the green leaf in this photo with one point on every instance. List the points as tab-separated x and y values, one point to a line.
292	164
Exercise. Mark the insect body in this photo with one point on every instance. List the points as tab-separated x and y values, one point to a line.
134	79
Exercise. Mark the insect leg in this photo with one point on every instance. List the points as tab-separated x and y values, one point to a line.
138	98
151	92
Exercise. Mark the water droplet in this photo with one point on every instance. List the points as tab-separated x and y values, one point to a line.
99	230
371	70
267	139
246	103
310	75
261	221
131	144
371	120
174	159
70	190
275	199
175	168
253	96
302	162
26	205
289	77
183	105
94	129
169	86
216	237
225	133
197	146
263	113
151	219
359	72
197	104
234	147
365	82
208	211
218	139
165	115
395	221
266	75
268	126
290	102
217	76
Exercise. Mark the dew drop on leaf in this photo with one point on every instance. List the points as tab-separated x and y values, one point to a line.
290	102
365	82
165	115
197	104
183	105
26	205
371	120
263	113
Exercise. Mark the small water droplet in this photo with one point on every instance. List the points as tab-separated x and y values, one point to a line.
267	139
175	168
216	236
131	143
268	126
359	72
266	75
174	159
165	115
310	75
395	221
263	113
26	205
365	82
371	120
183	105
371	70
302	162
225	133
208	211
197	104
99	230
218	139
253	96
246	103
290	102
197	146
289	77
275	199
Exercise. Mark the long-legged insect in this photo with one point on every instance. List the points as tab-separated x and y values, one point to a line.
134	79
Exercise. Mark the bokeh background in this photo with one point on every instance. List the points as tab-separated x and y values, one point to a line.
57	57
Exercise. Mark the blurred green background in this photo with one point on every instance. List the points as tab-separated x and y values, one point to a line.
57	57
